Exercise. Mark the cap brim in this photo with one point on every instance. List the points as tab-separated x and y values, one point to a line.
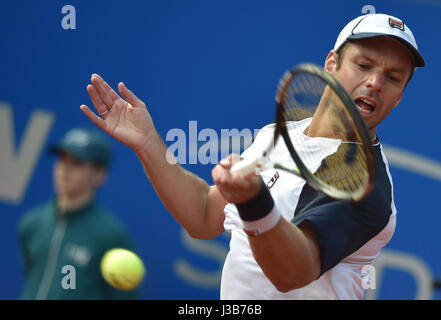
56	149
419	60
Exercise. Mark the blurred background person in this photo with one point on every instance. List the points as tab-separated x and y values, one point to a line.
72	229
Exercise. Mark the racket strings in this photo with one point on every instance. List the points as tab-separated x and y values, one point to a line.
302	97
308	96
346	169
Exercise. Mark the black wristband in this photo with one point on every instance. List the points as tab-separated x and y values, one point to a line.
257	207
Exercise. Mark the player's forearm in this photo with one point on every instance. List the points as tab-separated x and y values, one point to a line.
185	195
287	255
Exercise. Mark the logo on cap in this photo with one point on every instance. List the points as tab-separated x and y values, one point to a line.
396	24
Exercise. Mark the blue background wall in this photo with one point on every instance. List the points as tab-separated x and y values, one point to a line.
210	62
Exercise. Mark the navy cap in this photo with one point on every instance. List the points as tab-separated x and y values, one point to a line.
86	145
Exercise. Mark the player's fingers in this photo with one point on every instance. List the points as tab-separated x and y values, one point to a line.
237	194
248	185
228	196
106	93
221	173
108	89
230	161
235	184
112	93
100	106
129	95
222	179
222	176
101	123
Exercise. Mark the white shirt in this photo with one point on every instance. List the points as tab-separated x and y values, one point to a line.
242	278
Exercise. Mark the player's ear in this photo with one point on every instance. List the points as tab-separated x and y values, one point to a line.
100	176
331	62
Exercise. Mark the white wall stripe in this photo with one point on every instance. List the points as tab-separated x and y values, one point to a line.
413	162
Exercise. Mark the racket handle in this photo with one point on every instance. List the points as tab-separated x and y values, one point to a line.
246	166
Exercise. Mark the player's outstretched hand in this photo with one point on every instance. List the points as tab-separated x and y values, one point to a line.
235	188
125	118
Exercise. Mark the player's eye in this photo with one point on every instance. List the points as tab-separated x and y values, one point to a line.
394	79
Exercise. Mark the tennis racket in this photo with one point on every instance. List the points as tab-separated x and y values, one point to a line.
324	134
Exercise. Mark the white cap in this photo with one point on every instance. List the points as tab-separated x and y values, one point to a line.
378	24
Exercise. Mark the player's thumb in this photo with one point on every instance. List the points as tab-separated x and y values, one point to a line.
229	161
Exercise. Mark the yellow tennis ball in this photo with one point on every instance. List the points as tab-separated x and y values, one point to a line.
122	269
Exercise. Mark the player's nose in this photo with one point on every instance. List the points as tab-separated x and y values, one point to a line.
375	81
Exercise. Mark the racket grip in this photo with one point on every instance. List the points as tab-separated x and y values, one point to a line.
246	166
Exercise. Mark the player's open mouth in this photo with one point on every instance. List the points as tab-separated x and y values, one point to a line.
366	106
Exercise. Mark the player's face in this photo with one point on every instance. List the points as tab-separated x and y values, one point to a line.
74	179
374	71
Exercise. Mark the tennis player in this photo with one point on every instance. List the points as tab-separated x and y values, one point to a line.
288	241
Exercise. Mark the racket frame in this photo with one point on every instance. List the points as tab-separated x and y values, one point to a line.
350	106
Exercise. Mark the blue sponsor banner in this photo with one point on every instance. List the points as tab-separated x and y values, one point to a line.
208	71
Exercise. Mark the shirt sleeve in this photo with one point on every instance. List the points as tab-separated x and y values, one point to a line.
342	227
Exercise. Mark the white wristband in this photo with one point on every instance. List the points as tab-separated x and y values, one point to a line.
256	227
